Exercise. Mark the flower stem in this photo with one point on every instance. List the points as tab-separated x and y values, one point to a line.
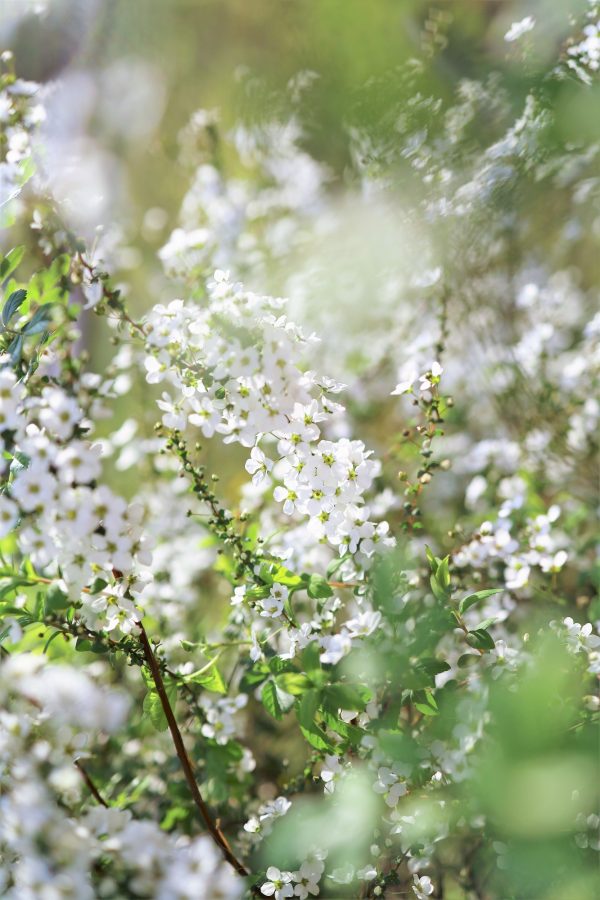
186	765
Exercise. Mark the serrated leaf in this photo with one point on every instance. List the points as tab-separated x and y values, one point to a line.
469	601
317	738
284	576
306	711
277	665
270	700
294	683
351	733
209	678
253	677
347	696
306	708
152	708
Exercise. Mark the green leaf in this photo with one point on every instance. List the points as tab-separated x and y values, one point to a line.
56	599
284	576
253	677
467	659
270	700
209	678
257	593
335	565
433	560
433	666
277	665
426	709
39	610
347	696
11	261
486	623
50	639
12	305
438	592
442	576
469	601
318	588
350	733
295	683
98	585
39	320
82	645
480	639
317	738
306	708
306	711
152	708
15	349
310	659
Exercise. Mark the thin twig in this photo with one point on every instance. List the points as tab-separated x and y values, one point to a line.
92	787
184	759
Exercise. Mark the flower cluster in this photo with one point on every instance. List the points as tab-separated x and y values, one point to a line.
494	542
74	531
235	369
50	718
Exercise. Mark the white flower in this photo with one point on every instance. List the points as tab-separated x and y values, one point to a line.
278	885
554	563
258	465
390	784
422	887
274	809
34	488
580	637
9	513
404	386
427	381
156	367
308	877
516	574
60	413
93	294
518	29
335	647
364	624
273	604
330	772
252	826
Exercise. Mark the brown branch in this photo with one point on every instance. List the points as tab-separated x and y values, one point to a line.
90	784
213	827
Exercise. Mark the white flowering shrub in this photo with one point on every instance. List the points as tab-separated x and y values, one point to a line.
297	598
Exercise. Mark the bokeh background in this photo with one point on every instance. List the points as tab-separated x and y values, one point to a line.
124	77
